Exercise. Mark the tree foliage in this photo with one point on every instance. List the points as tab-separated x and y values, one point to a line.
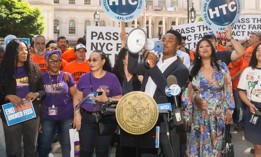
17	18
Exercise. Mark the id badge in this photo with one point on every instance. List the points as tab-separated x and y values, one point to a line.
52	111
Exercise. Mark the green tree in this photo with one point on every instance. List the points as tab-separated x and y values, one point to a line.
17	18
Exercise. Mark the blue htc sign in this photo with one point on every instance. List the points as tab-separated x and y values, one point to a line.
123	10
217	14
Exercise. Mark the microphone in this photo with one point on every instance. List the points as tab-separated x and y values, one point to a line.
76	107
88	98
172	90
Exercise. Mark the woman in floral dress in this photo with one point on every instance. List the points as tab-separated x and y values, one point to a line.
208	102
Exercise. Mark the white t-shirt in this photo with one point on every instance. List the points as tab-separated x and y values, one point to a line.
185	56
250	81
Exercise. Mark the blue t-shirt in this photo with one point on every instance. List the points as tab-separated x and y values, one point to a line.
108	81
57	95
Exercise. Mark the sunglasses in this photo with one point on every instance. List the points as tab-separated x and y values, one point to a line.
93	60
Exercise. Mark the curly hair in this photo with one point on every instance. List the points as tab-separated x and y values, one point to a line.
253	61
11	59
198	61
176	34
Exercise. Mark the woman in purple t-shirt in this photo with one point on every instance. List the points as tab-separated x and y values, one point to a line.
84	120
57	107
20	79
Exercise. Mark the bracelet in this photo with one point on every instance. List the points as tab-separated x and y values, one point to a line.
108	99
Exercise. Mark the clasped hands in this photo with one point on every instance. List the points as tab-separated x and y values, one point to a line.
16	100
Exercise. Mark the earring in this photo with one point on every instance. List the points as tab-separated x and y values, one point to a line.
198	57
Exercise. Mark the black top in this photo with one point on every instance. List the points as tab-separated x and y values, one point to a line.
224	56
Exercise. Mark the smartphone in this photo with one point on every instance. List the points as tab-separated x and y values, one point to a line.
258	113
99	93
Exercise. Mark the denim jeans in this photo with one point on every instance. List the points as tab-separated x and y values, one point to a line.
238	111
2	140
13	136
90	140
49	130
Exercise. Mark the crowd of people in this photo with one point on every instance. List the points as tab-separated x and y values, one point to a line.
218	83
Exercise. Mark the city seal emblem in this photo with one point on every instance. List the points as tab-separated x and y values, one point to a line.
137	113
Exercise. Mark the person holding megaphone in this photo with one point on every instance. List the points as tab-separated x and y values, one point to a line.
155	74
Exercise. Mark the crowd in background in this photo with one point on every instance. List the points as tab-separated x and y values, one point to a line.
220	82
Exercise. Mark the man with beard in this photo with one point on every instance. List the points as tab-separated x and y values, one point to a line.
62	44
38	56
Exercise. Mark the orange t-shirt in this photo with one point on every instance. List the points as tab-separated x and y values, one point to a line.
247	56
234	68
40	61
69	55
191	56
63	64
221	47
77	70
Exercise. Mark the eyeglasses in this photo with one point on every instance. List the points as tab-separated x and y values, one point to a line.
54	61
93	60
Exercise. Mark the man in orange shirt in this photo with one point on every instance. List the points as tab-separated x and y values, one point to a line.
62	44
235	72
69	55
254	39
38	56
79	66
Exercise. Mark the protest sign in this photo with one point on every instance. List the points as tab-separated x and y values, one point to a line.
106	39
219	14
123	10
241	30
17	114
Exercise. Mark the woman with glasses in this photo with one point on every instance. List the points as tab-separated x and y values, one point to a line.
98	79
57	107
21	80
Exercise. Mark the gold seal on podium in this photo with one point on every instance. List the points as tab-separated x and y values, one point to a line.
137	113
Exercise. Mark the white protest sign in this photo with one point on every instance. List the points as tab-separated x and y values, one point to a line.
106	39
241	30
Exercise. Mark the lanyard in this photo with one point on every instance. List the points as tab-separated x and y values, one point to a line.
54	86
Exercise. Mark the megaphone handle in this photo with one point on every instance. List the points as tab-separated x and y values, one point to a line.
123	27
123	35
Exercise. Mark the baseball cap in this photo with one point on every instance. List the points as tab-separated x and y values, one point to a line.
49	53
258	34
210	35
80	46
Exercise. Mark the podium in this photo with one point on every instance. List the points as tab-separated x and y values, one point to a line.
144	143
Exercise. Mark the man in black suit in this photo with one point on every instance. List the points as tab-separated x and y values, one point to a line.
155	81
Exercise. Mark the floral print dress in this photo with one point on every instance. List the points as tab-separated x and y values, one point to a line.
207	126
